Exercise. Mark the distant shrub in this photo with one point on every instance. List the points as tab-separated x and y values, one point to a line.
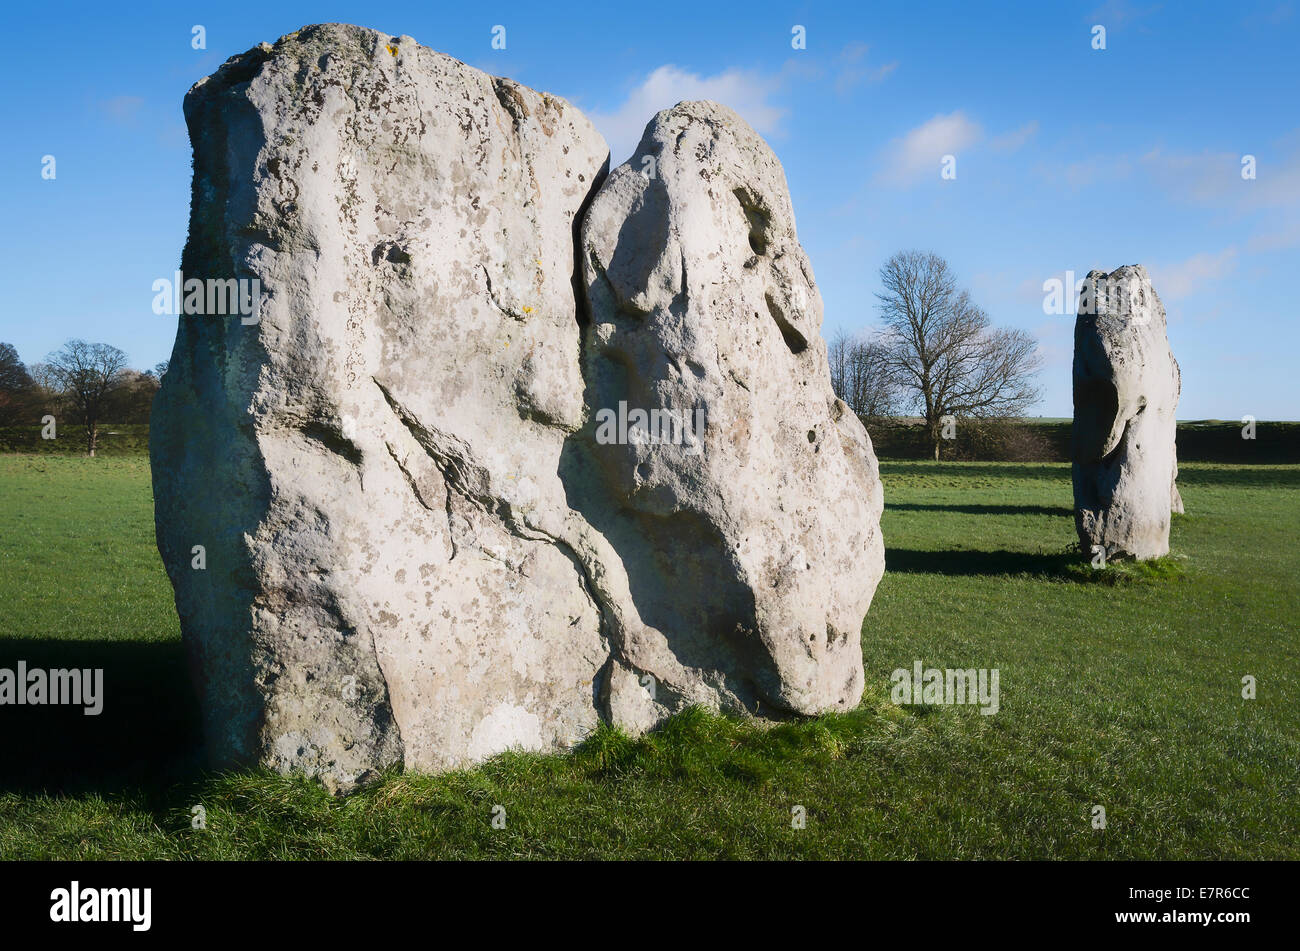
975	440
115	440
1034	440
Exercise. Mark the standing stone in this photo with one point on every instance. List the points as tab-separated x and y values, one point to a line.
1126	388
754	555
372	465
417	554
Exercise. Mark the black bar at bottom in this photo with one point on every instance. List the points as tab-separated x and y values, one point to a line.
333	901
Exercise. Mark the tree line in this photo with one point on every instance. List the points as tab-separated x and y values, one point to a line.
81	384
936	354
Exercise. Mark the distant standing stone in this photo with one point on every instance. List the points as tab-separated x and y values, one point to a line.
1126	388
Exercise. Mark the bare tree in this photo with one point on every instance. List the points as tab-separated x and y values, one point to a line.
943	350
85	375
860	375
837	354
132	399
46	383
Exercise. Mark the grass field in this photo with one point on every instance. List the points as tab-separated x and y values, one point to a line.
1118	688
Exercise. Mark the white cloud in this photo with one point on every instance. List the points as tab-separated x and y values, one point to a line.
852	68
1120	13
1278	240
920	153
1084	172
1181	280
1268	19
747	92
1214	178
1013	141
1209	178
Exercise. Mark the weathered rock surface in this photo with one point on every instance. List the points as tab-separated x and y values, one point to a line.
1126	388
417	552
758	556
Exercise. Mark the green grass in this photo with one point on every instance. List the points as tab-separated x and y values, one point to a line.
1119	688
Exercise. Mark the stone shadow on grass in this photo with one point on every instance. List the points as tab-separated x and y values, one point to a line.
147	736
1063	565
1066	565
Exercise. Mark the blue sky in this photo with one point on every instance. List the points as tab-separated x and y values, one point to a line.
1067	157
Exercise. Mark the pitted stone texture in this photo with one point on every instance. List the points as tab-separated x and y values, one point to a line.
374	465
416	554
753	559
1126	388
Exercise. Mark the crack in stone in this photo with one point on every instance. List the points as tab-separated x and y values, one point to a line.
520	527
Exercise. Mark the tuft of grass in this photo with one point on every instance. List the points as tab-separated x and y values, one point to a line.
1167	569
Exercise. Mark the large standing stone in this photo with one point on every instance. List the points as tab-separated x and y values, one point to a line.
1126	387
754	560
416	553
373	466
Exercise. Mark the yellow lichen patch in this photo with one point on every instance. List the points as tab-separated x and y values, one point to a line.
528	310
